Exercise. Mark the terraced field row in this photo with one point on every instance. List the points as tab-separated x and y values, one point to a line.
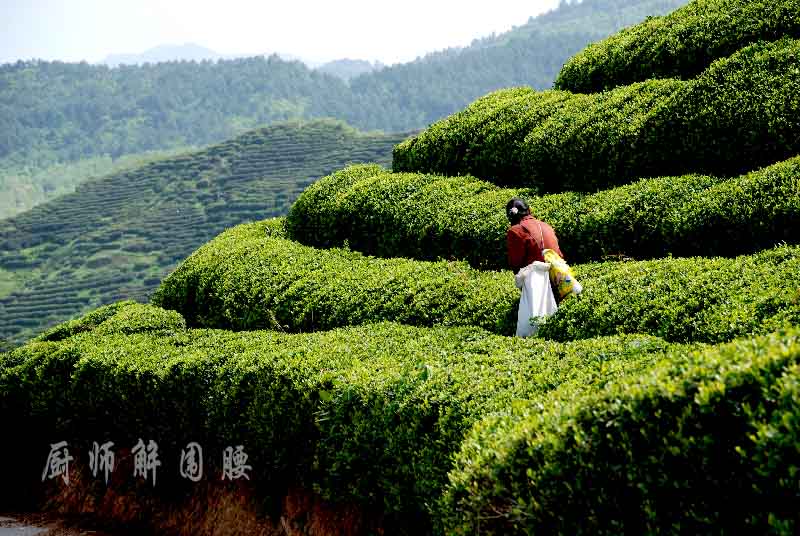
132	228
431	217
251	277
681	44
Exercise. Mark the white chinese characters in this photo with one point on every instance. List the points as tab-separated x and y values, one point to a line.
192	462
57	462
101	458
145	460
233	463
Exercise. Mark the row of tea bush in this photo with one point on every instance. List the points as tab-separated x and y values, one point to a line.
429	217
681	44
740	113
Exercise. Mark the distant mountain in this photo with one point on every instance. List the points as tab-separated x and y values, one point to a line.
116	237
347	68
185	52
162	53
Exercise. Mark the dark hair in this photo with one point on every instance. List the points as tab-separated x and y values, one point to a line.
521	212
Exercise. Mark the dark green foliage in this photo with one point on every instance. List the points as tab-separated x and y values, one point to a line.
250	277
428	217
370	414
704	443
681	44
694	299
115	238
739	114
397	422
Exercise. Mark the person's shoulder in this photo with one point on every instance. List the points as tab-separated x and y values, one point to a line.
545	224
515	229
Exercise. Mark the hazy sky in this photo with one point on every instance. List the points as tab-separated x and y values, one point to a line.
389	31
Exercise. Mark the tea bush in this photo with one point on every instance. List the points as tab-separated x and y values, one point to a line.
739	114
704	442
370	413
87	322
693	299
250	278
139	318
429	217
483	139
245	279
681	44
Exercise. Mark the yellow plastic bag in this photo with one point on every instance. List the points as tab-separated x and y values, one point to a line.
561	277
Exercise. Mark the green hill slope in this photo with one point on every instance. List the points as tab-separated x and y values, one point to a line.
116	237
23	187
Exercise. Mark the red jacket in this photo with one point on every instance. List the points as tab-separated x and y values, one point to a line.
525	242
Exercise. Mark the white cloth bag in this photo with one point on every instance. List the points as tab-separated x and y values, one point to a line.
537	297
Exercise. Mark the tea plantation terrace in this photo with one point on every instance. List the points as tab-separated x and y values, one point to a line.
376	373
401	214
739	114
115	238
251	277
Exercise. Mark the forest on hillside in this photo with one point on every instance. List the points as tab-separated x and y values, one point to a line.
56	112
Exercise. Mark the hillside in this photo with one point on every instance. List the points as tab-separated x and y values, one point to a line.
23	187
681	44
389	214
116	237
382	395
53	112
737	115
